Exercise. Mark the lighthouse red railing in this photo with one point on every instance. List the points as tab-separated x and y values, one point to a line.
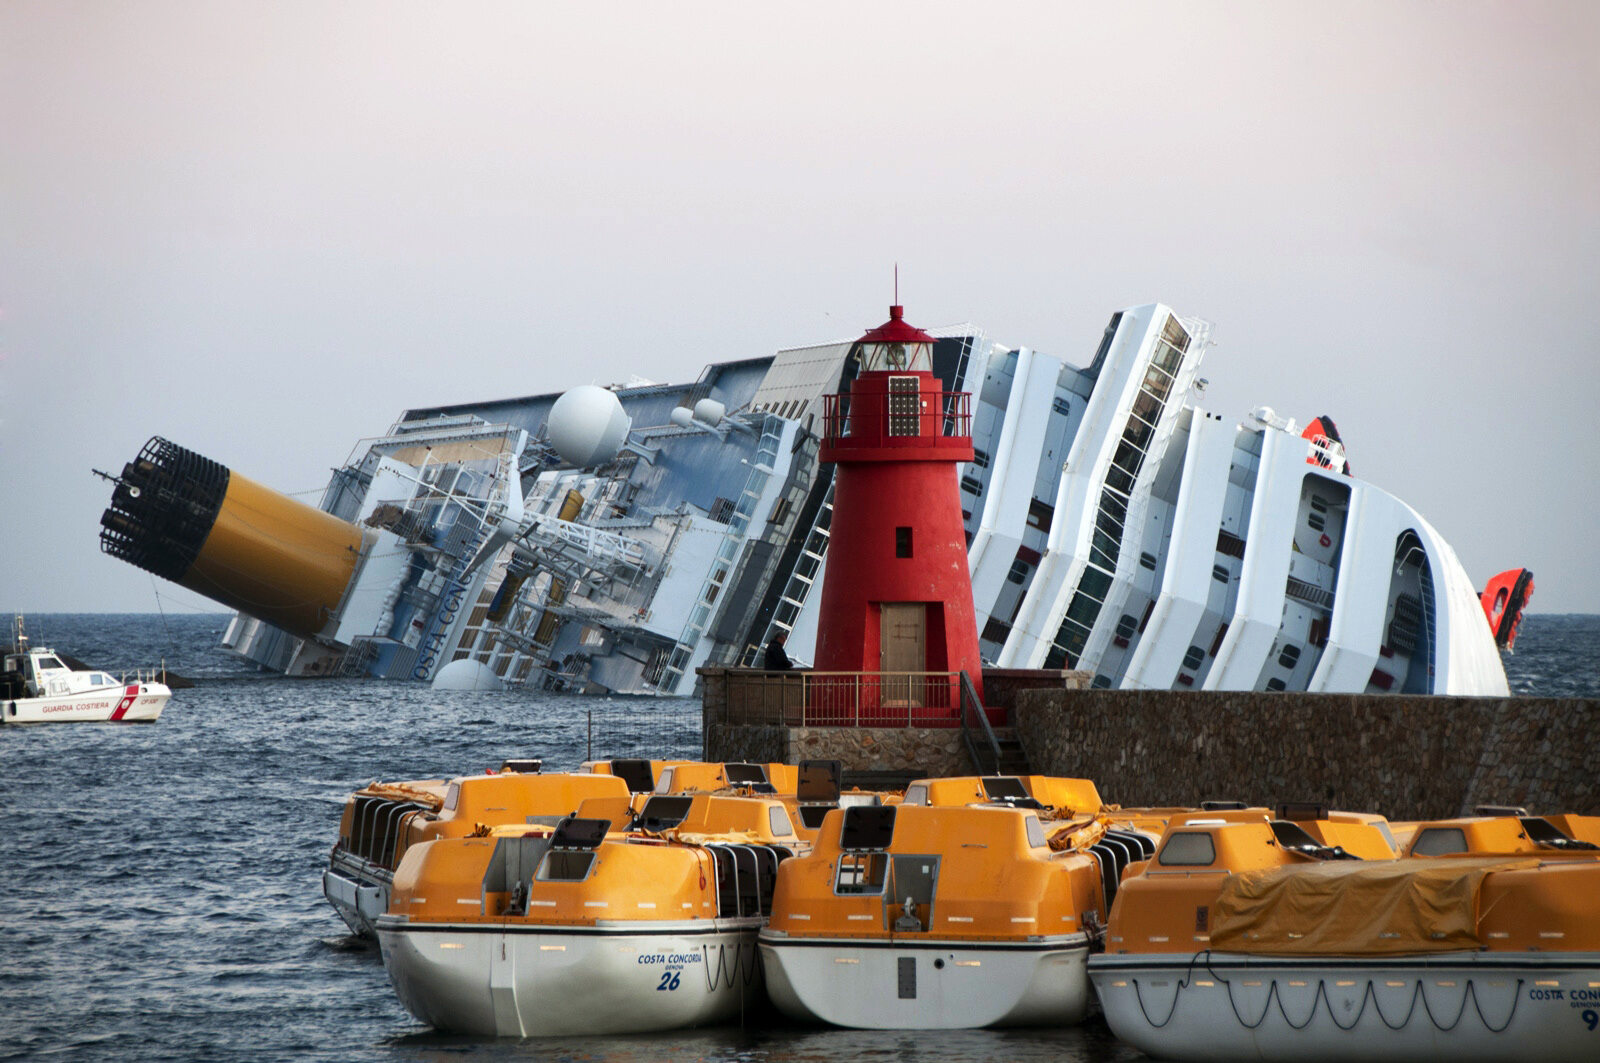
878	419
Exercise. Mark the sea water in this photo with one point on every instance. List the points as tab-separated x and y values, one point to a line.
160	884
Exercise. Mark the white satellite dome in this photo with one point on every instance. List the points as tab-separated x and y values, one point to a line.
587	426
467	674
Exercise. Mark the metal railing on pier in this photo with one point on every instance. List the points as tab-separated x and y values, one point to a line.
841	699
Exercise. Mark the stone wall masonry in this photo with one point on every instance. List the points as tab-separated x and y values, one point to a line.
922	750
1406	757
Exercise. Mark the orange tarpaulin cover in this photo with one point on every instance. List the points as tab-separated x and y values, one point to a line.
1343	907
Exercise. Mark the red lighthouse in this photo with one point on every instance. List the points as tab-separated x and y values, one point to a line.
897	597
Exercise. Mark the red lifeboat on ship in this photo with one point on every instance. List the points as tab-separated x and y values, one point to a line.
1507	595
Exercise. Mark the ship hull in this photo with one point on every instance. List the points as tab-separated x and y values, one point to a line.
1471	1007
928	985
532	981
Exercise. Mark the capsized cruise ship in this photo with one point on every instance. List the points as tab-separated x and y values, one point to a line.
615	540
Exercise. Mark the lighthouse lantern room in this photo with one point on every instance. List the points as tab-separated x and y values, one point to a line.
897	597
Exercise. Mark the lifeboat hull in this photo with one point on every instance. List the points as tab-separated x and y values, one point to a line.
133	703
928	985
1468	1007
520	981
359	892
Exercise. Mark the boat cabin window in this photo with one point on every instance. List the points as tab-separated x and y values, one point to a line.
100	679
861	873
1188	849
1439	841
915	795
452	797
1036	836
778	821
49	662
664	784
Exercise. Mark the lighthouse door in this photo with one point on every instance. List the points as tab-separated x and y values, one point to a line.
903	647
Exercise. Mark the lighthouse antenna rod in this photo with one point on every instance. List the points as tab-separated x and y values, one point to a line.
897	284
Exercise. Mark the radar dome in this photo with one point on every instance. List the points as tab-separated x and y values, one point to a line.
467	674
587	426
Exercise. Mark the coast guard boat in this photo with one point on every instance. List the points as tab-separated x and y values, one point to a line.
617	539
38	687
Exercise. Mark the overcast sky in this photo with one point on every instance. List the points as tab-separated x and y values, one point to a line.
263	230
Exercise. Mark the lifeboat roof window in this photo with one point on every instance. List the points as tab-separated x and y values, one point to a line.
1439	841
1188	848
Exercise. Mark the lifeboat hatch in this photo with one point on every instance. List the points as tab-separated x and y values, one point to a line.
639	776
908	902
753	776
867	827
663	813
1008	790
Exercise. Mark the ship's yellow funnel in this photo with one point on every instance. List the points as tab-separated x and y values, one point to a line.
206	528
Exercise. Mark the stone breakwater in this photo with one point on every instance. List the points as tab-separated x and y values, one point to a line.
1406	757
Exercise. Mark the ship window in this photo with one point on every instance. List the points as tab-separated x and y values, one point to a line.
722	510
1219	573
1101	682
1188	849
861	873
902	542
1276	684
971	485
780	509
1019	572
1289	657
778	822
1319	504
1316	521
49	662
1148	561
996	630
1126	625
1061	406
1439	841
979	458
1192	659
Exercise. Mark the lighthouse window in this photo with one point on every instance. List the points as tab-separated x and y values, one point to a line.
902	542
